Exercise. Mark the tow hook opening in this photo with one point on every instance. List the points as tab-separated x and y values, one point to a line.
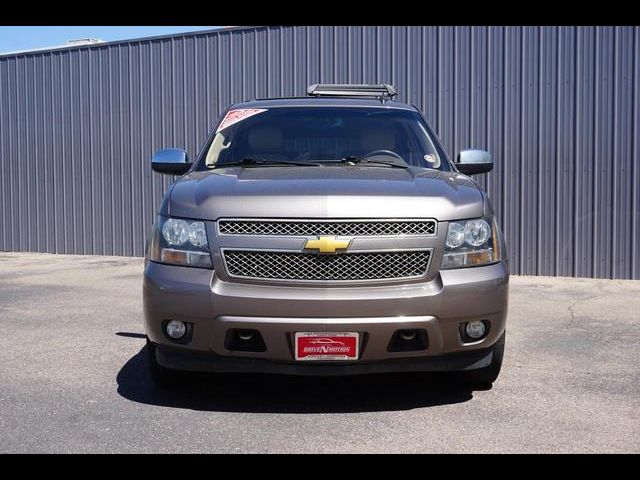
244	340
408	341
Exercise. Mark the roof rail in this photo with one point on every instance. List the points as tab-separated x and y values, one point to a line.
383	91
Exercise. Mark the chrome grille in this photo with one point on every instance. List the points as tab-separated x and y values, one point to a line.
282	265
335	228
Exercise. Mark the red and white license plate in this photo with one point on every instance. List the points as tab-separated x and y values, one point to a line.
326	345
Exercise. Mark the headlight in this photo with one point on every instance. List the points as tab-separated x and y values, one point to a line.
175	231
471	243
179	242
477	232
455	235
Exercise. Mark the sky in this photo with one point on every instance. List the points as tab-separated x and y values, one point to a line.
25	38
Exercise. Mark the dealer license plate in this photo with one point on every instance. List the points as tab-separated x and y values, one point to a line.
326	345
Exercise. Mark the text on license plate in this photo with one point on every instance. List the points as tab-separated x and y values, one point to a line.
326	345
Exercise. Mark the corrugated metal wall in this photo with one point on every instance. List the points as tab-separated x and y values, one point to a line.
557	106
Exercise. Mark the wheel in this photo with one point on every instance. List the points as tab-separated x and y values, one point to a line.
160	375
484	377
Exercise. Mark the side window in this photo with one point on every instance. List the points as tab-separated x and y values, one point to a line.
409	147
432	158
217	149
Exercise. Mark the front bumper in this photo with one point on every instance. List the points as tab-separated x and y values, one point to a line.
179	359
213	306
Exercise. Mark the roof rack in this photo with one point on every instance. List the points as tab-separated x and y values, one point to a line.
382	92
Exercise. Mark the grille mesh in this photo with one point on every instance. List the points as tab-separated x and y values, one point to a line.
314	267
310	228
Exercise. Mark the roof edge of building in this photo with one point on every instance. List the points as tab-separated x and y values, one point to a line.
106	44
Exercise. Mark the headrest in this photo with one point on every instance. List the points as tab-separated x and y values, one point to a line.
265	139
377	139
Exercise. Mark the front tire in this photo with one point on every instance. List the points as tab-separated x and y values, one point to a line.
161	376
484	377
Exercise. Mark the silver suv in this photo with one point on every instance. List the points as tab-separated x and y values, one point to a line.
325	235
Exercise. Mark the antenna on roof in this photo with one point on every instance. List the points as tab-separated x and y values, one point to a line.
382	91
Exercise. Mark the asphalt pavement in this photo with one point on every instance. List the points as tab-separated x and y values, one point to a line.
73	378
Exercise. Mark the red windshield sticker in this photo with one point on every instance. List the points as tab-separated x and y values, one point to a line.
234	116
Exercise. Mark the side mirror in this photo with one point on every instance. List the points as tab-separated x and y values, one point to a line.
471	162
171	161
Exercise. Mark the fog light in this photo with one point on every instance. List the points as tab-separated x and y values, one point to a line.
475	329
176	329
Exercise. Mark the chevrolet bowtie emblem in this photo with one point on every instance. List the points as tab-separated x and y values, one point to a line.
327	244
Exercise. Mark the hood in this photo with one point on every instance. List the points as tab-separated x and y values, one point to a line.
326	192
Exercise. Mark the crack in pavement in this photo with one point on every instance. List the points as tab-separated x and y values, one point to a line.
572	305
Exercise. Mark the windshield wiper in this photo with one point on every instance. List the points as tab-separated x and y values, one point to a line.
260	162
352	159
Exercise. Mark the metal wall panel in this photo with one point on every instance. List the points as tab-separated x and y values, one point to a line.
557	106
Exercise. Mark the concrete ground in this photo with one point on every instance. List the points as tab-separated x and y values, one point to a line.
73	378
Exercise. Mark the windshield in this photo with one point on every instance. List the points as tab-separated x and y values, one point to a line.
318	135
